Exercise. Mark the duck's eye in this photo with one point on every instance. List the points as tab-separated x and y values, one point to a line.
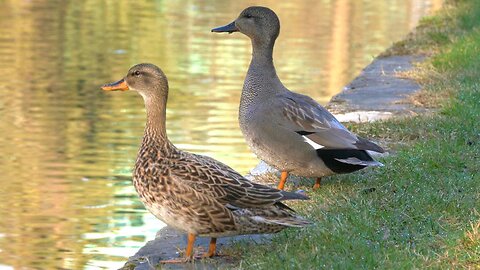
248	16
136	73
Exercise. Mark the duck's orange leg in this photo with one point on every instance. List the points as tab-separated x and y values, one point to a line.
317	183
211	248
188	253
283	179
191	242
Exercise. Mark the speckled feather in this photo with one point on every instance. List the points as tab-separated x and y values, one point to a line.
211	198
193	193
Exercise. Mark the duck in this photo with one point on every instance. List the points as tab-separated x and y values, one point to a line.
290	131
192	193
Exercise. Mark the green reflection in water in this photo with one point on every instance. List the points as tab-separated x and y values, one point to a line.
67	147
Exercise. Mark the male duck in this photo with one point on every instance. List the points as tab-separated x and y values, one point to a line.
196	194
290	131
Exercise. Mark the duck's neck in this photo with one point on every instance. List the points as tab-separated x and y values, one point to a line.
262	54
261	81
155	130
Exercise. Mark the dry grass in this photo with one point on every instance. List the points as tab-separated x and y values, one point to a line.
465	255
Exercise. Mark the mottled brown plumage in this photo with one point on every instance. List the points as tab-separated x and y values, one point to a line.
196	194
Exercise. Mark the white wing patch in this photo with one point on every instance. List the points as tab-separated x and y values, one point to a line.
312	143
356	161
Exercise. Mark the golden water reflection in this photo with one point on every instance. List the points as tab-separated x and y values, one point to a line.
68	148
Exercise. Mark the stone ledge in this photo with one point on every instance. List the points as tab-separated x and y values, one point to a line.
378	92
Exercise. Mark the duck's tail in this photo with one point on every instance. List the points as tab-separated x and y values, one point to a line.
292	221
267	220
357	161
288	195
346	160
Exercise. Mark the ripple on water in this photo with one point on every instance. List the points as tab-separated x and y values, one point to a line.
68	148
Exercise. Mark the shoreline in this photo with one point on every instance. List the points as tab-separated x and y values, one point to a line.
377	93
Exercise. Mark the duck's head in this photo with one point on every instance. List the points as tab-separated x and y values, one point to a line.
147	79
258	23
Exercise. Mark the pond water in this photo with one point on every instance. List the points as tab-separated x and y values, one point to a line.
67	148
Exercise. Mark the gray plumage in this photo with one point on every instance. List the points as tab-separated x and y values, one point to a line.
290	131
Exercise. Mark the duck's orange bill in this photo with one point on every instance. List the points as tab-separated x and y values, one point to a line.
120	85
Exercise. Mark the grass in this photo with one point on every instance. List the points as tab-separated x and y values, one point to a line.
422	209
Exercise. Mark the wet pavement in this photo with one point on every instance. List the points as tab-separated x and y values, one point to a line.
169	244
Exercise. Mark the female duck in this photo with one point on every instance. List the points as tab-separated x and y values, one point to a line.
290	131
192	193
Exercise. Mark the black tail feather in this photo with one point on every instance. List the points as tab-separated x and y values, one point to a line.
330	156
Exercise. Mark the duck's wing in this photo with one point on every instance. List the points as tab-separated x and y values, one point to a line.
267	220
225	185
318	127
